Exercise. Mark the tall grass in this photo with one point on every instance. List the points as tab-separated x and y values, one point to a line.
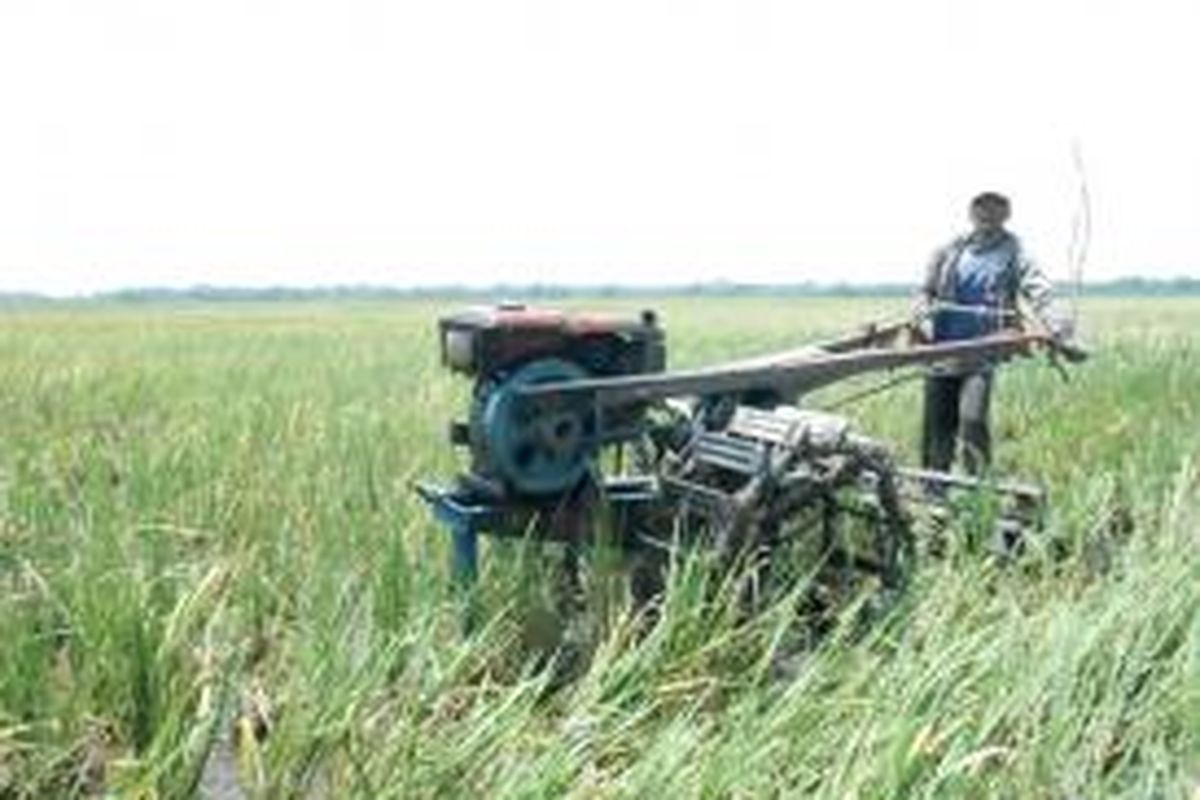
212	567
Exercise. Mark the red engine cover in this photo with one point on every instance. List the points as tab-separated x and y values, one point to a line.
483	339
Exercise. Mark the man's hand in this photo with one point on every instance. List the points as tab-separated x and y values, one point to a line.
1060	328
919	307
1062	334
919	314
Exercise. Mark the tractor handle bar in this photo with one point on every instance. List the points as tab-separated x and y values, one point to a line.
793	372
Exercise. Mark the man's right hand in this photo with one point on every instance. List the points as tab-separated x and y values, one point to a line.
1063	339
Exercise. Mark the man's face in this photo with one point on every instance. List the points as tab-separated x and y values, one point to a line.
988	217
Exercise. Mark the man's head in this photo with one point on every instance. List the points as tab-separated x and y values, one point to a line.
989	211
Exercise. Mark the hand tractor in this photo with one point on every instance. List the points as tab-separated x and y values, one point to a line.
577	432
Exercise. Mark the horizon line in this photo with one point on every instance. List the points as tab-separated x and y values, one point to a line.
543	289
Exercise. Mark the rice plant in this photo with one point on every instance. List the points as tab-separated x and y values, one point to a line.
216	581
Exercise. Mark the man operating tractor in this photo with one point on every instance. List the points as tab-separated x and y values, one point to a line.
974	286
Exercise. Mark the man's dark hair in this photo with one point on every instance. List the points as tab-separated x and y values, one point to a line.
994	199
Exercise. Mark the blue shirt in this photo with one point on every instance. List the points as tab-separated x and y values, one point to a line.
981	273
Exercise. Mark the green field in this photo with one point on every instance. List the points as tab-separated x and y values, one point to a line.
214	577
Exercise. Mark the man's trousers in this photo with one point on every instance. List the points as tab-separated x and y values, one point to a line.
957	406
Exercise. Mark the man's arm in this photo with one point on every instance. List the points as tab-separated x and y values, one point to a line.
931	285
1038	293
927	291
1033	285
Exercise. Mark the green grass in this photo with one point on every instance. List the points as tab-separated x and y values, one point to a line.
207	526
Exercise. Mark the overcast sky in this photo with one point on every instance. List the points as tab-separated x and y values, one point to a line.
148	142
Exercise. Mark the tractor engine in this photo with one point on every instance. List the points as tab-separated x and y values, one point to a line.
539	451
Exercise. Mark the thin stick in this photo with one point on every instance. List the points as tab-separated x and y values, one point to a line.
1081	230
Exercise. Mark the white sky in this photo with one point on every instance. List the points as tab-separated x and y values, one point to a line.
149	142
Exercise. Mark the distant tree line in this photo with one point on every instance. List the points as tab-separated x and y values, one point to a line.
1121	287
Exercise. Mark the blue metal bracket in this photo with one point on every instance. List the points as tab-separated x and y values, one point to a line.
465	520
466	516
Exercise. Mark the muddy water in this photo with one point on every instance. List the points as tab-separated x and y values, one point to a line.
219	780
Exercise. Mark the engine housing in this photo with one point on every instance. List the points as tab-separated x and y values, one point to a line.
504	347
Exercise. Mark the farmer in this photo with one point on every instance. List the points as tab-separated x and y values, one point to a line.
971	289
